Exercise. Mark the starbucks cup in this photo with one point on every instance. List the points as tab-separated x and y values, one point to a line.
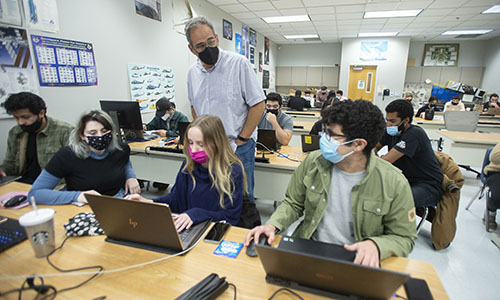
39	225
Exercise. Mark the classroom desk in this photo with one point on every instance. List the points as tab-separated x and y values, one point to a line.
297	132
271	179
468	148
307	116
431	127
166	279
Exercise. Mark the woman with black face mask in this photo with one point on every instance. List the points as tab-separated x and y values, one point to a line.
94	163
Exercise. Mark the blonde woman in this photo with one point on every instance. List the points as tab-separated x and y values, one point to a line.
94	162
211	181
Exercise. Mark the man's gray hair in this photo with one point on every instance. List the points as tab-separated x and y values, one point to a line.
195	23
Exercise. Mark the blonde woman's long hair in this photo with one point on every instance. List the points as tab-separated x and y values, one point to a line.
222	157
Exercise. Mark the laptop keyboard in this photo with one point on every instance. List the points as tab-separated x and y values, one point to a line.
10	237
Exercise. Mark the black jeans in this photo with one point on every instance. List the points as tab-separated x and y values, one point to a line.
493	182
425	194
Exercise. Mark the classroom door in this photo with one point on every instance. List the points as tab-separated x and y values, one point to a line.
362	82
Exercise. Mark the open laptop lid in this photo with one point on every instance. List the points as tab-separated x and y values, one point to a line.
461	120
136	221
327	276
493	111
309	142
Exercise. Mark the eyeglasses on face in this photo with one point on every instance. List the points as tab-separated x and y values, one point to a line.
200	47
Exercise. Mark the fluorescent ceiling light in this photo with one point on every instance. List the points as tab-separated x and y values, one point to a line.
301	36
287	19
458	32
492	10
391	13
377	34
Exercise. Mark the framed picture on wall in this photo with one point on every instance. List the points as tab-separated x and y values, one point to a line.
252	55
260	61
253	37
440	55
227	33
149	9
266	51
265	79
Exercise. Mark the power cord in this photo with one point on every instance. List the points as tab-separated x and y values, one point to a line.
286	290
279	153
234	286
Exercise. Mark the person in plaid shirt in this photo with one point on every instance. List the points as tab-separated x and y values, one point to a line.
35	139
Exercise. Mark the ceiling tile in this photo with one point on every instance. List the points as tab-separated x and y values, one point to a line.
400	20
321	10
256	6
387	5
349	9
243	15
424	20
436	12
349	22
311	3
325	22
288	4
349	2
350	16
322	17
373	27
470	10
232	8
374	21
483	2
250	1
394	27
293	11
447	4
348	27
267	13
326	27
413	4
222	2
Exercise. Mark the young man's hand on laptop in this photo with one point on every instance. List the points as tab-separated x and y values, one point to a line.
256	232
81	197
2	173
138	197
367	253
182	221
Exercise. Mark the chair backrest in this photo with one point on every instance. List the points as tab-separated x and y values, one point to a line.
461	120
486	162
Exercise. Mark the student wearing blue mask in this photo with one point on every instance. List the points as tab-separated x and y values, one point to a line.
410	150
346	194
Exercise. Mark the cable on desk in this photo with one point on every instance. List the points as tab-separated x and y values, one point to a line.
398	296
105	271
287	290
234	286
279	153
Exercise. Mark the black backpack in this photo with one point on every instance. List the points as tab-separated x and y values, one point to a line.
250	216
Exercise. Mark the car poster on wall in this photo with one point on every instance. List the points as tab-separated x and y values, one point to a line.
64	62
150	83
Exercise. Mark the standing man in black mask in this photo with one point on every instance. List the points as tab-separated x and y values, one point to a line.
223	84
274	118
35	139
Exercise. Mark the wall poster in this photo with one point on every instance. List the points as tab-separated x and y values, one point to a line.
10	12
252	55
149	8
440	55
244	41
227	31
64	62
373	51
42	15
237	43
150	83
266	51
260	61
265	79
16	68
253	38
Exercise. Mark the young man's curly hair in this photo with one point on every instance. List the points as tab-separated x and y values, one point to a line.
359	119
402	107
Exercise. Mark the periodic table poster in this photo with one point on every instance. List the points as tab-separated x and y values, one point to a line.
64	62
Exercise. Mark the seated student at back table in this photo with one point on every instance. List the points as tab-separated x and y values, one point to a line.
410	150
431	104
297	102
35	139
319	127
346	194
167	119
274	118
492	103
454	102
211	181
94	162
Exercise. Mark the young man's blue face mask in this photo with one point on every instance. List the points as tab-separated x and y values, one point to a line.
329	148
395	130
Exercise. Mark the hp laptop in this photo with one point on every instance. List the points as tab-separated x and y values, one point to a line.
330	277
461	120
453	108
142	225
310	142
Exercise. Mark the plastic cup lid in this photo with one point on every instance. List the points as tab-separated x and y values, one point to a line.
36	217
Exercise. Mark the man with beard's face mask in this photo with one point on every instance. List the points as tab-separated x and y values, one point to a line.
31	144
223	84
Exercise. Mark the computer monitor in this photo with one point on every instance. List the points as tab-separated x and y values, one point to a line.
266	140
126	115
467	98
182	131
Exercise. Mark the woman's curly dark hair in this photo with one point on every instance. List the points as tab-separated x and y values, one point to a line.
359	119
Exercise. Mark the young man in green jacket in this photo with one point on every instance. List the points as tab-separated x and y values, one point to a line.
347	194
167	119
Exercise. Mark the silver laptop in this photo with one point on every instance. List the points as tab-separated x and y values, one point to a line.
326	276
142	225
461	120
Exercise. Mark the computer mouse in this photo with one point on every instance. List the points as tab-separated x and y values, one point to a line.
251	247
15	201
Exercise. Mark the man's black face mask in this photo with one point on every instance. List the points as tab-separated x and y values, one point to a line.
210	55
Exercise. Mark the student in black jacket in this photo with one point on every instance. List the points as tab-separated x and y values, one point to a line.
297	102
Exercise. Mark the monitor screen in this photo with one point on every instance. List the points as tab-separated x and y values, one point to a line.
266	140
128	113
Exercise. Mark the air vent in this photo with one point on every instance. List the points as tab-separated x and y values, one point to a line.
312	39
467	36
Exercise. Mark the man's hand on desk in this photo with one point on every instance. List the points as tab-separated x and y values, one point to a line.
81	197
256	232
132	186
162	133
367	253
182	221
137	197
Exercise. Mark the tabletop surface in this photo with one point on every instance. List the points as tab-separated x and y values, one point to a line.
167	278
471	137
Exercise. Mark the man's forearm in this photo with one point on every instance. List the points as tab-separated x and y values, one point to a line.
282	136
193	112
253	118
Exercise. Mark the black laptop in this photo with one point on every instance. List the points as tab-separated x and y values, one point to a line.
11	233
336	278
309	142
142	225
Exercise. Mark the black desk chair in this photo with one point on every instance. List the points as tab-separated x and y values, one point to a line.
482	177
